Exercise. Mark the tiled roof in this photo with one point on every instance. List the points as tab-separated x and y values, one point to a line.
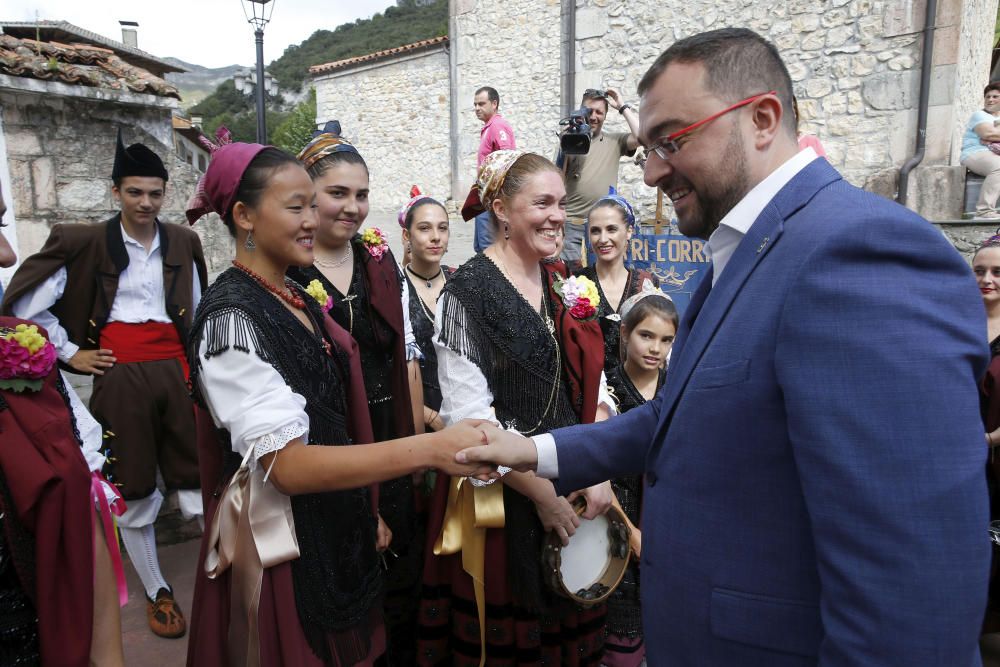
378	55
65	32
78	64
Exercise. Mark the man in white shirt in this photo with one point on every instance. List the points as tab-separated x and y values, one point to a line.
814	462
117	299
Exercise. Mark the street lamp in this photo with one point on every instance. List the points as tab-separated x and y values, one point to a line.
258	14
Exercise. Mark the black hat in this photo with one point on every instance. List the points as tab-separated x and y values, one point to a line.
136	160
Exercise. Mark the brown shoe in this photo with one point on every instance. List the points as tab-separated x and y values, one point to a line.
164	615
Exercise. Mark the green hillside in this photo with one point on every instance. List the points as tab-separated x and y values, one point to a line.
398	25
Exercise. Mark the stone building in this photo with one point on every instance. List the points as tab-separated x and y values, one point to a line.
394	105
62	100
855	65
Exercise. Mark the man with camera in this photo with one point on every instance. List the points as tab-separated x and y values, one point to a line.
496	134
589	172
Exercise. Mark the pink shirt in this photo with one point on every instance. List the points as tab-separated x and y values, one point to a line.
497	134
810	141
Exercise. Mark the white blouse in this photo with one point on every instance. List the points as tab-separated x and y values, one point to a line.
249	398
465	394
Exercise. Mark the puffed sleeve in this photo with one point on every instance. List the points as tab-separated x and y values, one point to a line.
465	393
247	396
412	348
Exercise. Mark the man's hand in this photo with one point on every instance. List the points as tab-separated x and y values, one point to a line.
502	448
598	499
92	361
558	515
457	438
614	98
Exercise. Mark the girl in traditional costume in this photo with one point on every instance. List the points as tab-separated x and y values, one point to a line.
370	300
290	572
610	224
517	345
648	325
425	237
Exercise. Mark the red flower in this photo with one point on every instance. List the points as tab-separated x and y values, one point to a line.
582	310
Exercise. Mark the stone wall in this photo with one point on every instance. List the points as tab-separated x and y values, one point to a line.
854	64
60	152
513	46
396	112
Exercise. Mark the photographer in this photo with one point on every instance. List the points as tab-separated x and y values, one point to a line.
589	176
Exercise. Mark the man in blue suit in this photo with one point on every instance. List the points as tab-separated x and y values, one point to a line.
814	465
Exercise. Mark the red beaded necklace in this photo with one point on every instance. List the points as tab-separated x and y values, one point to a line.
286	295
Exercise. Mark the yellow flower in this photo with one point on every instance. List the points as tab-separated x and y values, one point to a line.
371	236
27	336
588	290
316	291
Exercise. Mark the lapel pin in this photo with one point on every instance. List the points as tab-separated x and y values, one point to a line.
763	244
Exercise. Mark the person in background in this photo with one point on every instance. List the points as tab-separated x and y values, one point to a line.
588	177
371	300
648	327
496	134
128	329
425	238
610	225
977	157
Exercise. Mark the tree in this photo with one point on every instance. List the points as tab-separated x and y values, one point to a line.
296	131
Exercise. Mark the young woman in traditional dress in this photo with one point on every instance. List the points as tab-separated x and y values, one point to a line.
610	225
511	350
289	572
371	301
425	239
648	326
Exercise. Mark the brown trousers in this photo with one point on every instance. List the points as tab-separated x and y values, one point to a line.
148	418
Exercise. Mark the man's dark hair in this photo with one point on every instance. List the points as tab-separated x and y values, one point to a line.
491	94
738	63
992	85
592	94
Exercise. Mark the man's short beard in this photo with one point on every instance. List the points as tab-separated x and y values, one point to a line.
731	184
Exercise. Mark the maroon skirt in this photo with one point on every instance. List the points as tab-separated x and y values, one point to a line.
448	632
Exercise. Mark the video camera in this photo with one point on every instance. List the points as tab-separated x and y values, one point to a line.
575	139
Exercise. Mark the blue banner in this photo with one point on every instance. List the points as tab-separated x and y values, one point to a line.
679	262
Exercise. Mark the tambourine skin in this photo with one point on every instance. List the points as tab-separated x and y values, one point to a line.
616	562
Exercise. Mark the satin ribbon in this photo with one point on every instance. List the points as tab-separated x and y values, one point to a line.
116	507
471	510
252	529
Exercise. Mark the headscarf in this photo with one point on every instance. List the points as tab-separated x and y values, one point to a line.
648	289
323	143
620	202
492	173
136	160
216	192
415	196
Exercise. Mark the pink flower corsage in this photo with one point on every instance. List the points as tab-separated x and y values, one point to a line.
375	242
579	296
26	357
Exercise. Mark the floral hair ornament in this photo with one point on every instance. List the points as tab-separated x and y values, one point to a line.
620	203
216	192
492	173
415	196
26	358
648	289
325	142
579	295
374	241
316	290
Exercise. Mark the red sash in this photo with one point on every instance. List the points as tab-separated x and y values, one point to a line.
148	341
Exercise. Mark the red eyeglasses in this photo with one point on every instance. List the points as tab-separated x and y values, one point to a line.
668	146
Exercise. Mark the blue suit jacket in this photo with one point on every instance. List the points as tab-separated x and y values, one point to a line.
815	487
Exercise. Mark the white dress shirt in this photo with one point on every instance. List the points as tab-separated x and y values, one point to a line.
140	296
721	246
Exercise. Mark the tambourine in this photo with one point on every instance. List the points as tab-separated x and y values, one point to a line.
591	566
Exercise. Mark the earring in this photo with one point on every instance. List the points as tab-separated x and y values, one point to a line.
249	244
506	230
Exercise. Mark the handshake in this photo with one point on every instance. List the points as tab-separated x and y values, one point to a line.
478	447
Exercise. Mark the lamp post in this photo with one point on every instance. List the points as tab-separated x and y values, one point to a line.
258	16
